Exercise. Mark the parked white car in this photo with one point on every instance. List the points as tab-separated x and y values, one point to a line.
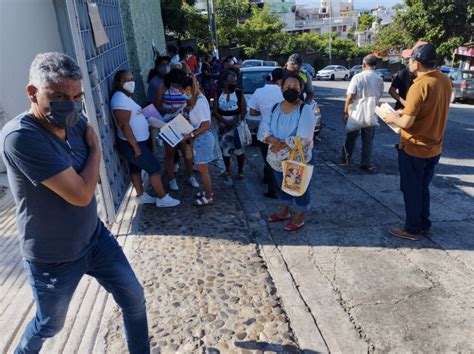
333	72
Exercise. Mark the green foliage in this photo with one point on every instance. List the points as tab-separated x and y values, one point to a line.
183	20
262	32
445	23
228	15
258	30
365	22
393	36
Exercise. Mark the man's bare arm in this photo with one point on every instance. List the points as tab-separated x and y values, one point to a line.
349	100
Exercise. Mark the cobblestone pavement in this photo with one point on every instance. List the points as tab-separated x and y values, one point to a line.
207	288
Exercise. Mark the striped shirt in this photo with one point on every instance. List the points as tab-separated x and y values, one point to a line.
172	98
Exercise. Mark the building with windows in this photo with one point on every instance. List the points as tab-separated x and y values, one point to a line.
332	16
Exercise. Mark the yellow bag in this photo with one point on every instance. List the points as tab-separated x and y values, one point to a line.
296	175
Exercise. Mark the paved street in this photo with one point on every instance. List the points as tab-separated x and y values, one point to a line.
221	279
364	290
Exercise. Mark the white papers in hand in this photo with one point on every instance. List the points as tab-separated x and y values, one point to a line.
382	111
153	116
173	131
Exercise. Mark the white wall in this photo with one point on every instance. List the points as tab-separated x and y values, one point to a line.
27	27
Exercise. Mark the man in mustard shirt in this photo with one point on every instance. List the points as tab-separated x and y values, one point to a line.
423	123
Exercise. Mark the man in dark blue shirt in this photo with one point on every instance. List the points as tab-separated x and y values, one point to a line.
52	157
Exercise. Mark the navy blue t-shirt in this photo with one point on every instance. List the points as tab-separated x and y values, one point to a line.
51	229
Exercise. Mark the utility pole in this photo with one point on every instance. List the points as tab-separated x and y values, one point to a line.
212	27
330	31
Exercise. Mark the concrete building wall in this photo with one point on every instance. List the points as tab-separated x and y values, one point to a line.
143	26
27	27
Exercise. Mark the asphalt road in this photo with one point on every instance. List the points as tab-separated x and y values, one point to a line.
457	162
346	284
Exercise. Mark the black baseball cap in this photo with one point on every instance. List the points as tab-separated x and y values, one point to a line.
425	54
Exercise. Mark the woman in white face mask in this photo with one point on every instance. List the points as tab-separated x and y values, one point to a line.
156	76
133	133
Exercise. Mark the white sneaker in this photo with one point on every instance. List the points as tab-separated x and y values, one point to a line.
174	185
193	182
167	202
145	198
176	167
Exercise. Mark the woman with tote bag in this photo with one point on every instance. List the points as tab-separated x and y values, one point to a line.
290	124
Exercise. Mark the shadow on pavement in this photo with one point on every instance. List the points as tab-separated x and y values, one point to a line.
272	347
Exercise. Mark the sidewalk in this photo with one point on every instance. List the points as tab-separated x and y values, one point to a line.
364	290
84	331
207	287
220	279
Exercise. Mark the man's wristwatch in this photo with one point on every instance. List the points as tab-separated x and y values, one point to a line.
192	135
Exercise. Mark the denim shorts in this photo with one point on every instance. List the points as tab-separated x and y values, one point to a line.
146	161
203	148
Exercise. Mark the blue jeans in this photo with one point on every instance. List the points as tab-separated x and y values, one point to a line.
302	203
54	284
146	161
415	177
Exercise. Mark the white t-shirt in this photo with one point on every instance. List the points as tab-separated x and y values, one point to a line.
138	121
200	112
265	98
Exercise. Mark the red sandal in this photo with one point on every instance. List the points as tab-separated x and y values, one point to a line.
277	218
291	226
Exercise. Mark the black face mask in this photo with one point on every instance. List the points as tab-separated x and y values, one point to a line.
64	114
232	87
291	95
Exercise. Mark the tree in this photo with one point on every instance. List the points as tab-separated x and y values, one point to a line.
262	32
365	22
445	23
393	36
181	19
229	13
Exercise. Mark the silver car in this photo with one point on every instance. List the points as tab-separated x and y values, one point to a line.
252	78
463	85
258	62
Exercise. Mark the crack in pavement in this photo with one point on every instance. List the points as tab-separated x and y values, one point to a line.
395	302
343	303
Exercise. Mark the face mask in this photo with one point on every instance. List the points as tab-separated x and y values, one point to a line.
231	87
64	114
163	70
186	97
189	56
291	95
129	86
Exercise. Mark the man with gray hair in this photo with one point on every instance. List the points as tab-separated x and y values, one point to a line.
363	94
295	64
52	156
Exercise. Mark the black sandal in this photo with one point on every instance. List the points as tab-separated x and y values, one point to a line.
202	194
203	201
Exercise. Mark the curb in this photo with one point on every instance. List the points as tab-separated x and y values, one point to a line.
303	323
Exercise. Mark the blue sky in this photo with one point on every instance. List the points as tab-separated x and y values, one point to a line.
358	4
